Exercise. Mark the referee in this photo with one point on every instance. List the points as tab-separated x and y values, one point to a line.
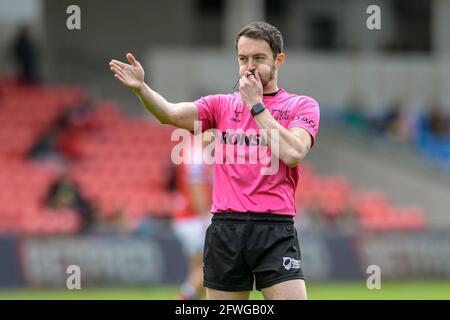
252	239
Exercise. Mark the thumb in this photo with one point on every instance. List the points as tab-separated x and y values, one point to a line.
132	59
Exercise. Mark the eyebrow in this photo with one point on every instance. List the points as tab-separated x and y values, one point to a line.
256	54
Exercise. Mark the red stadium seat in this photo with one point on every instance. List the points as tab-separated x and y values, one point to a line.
412	217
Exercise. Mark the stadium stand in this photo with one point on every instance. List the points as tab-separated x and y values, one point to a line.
110	157
121	165
25	115
426	130
124	166
332	197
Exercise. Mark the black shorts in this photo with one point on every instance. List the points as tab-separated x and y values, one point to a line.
243	247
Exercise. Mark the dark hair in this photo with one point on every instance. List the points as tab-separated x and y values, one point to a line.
263	31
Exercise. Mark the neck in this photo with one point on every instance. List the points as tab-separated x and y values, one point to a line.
272	86
270	89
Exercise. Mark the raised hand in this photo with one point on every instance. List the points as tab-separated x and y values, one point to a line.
130	75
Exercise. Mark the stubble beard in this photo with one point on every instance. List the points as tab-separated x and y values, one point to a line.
265	82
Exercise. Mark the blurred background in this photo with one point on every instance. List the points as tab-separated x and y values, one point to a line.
86	177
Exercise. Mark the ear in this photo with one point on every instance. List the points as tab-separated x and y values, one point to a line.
280	59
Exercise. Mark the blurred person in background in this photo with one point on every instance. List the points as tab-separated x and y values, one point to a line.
397	128
194	180
437	122
252	239
396	123
60	142
354	115
25	56
65	194
74	124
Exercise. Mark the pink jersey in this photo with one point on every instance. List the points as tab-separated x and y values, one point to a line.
240	187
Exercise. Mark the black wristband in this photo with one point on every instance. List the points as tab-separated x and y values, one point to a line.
257	108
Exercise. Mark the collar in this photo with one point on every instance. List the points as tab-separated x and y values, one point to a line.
273	94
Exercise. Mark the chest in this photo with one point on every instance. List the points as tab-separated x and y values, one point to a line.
238	117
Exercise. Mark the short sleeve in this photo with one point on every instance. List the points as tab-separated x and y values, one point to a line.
207	111
307	116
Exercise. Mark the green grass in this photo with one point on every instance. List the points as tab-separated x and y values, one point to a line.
417	290
316	291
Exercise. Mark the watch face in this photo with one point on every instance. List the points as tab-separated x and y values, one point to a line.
257	108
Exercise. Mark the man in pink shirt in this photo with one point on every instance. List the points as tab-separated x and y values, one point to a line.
252	237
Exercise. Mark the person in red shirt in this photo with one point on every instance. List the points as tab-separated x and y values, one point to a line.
194	183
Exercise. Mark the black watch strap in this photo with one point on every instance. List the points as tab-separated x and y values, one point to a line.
257	108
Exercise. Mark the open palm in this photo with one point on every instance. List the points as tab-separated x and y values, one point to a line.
130	75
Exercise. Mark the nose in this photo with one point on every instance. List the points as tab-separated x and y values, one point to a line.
251	67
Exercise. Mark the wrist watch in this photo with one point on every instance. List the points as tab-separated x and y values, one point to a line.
257	108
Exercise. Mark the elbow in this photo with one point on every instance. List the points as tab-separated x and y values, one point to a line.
164	121
292	159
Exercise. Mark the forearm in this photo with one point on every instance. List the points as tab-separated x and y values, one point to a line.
154	103
201	199
284	144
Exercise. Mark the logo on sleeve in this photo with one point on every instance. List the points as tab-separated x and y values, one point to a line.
291	263
305	119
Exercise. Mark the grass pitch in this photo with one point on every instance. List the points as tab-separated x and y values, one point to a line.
417	290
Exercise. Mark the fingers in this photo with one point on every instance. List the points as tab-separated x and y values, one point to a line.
119	75
117	64
245	77
117	71
120	79
248	79
132	60
253	76
120	65
244	82
251	72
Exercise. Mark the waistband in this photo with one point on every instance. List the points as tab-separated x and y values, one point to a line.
251	216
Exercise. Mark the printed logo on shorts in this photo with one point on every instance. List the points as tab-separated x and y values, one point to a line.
291	263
